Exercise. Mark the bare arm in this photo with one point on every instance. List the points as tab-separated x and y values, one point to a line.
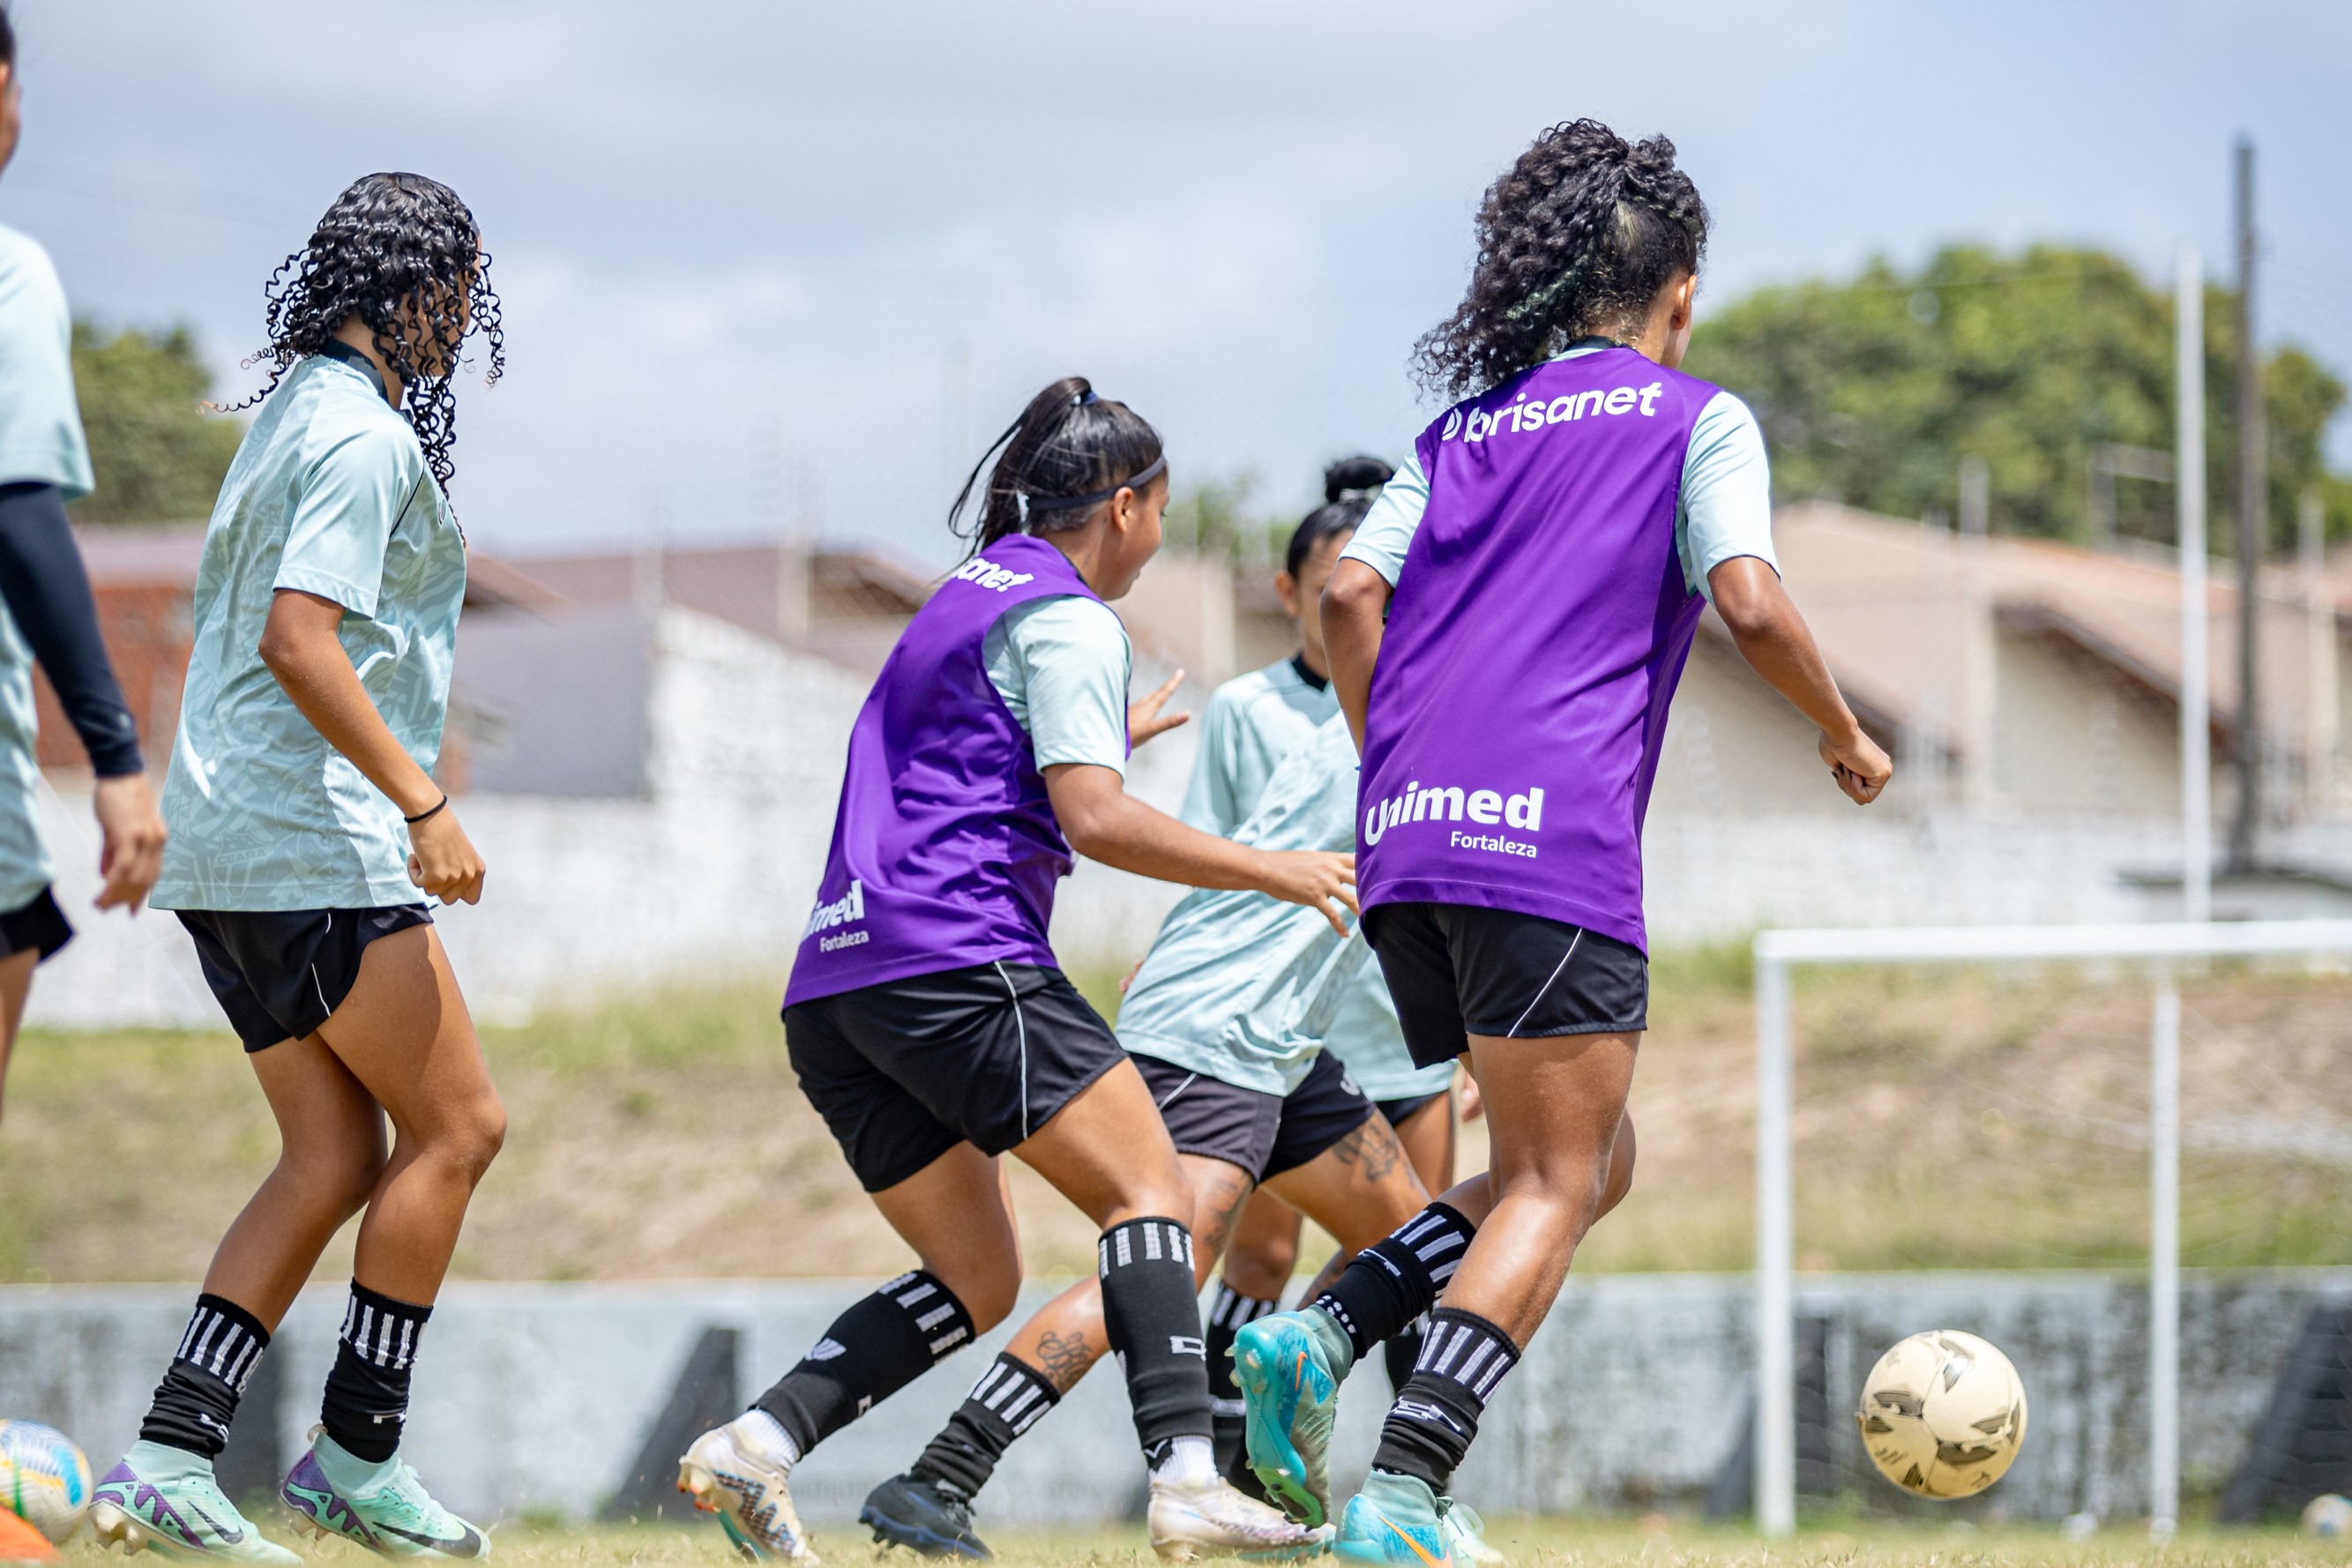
300	647
1355	612
1772	636
1105	823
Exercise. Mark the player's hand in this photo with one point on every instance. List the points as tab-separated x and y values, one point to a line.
443	861
1860	768
131	840
1473	1103
1128	979
1319	878
1144	718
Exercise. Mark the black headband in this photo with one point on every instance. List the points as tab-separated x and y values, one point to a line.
1134	481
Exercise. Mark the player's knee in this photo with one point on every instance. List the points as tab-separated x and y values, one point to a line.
1261	1269
336	1183
989	1288
472	1138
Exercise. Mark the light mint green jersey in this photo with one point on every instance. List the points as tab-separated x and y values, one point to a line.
40	442
330	495
1252	723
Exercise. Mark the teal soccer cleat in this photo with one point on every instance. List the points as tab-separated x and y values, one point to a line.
383	1507
1395	1520
1288	1367
166	1499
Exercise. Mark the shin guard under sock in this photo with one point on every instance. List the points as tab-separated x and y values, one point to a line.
1153	1317
871	1352
197	1398
367	1390
1008	1400
1435	1417
1391	1283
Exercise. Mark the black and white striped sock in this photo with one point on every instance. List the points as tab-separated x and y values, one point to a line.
1010	1398
1463	1359
367	1393
871	1352
1151	1312
215	1359
1229	1312
1388	1284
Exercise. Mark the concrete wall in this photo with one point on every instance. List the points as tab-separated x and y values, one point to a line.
534	1398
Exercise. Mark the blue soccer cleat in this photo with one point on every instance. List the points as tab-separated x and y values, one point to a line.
1395	1519
1288	1367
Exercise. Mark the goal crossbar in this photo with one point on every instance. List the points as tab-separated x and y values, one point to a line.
2162	946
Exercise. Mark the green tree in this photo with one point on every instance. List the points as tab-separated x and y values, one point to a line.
158	456
1873	390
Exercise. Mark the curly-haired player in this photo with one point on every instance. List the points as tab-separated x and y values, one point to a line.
50	616
306	833
1506	632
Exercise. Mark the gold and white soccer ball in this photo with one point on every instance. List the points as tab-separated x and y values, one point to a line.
1943	1415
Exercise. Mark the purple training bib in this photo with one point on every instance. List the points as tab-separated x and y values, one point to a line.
1538	629
945	849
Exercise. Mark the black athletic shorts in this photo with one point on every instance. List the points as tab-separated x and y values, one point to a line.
39	926
277	973
1396	1112
1457	970
904	1070
1265	1134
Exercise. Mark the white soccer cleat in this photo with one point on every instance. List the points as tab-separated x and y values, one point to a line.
1190	1523
739	1473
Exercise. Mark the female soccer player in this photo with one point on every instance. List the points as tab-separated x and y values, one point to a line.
1541	569
927	1018
1226	1020
49	616
1252	723
306	827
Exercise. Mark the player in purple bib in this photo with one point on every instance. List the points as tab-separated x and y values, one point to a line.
1506	633
927	1020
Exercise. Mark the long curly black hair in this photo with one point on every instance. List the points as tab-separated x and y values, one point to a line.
402	254
1068	453
1575	240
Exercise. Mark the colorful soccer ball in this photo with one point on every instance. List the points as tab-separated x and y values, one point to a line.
1943	1415
44	1479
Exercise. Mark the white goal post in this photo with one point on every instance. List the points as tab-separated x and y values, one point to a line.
2162	947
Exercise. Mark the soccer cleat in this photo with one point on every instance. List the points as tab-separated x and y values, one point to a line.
167	1498
737	1473
1288	1366
1468	1533
1190	1523
383	1507
923	1516
1395	1519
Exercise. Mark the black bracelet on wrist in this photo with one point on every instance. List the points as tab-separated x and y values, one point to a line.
435	809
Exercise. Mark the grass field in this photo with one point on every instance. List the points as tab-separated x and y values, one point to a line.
1531	1542
1945	1119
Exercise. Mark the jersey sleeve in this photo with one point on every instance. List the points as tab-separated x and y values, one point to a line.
1727	495
1388	528
1209	801
351	500
41	437
1062	667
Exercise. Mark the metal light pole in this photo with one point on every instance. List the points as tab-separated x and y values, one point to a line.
2254	505
2189	500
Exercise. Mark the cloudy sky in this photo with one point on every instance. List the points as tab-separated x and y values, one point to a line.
745	247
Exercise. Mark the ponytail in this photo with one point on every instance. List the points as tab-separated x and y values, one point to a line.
1575	240
1069	452
1349	487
